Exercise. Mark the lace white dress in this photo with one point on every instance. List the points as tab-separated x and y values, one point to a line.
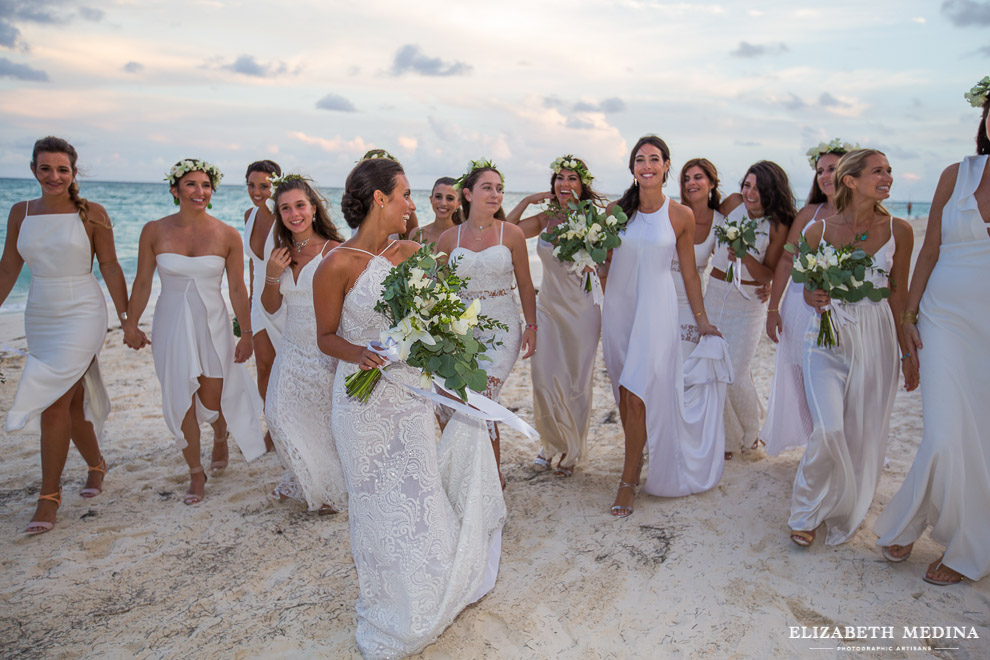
191	336
850	389
262	321
491	281
425	518
65	321
948	486
788	421
297	407
741	323
641	343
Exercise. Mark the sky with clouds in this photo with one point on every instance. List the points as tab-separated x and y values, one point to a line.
138	84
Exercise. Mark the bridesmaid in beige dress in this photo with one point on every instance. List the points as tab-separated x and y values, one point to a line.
570	326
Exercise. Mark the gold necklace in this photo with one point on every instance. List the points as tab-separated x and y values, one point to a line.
481	232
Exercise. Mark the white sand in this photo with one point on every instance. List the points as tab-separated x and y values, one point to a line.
134	573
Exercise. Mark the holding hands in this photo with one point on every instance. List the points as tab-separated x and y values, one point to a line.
134	337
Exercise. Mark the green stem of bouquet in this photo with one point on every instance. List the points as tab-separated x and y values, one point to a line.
728	273
827	334
587	282
360	383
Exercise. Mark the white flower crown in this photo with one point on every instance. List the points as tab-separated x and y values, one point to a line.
188	165
836	146
570	162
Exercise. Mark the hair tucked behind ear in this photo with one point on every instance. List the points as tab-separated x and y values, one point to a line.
706	166
54	145
629	202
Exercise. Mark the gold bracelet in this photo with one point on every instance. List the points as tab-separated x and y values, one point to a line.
909	317
697	314
774	310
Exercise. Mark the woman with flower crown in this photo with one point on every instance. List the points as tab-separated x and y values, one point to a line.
765	196
493	254
851	386
298	406
61	394
197	361
570	325
425	517
788	422
642	347
947	325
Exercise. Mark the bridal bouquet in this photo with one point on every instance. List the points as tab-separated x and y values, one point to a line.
740	236
839	272
432	328
585	236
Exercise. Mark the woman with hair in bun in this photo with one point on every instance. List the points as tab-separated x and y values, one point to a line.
425	517
642	347
446	205
851	386
298	405
570	325
196	358
947	326
258	245
492	254
788	422
412	222
765	197
61	394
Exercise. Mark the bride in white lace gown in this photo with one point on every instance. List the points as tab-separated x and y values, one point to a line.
297	408
425	518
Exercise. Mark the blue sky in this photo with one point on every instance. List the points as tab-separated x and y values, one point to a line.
137	84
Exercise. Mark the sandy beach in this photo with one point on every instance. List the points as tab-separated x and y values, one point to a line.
135	573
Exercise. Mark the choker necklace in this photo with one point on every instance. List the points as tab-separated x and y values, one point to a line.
300	245
481	232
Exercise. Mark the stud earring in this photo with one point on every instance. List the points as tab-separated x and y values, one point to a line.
175	200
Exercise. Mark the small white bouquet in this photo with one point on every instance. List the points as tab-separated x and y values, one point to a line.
740	236
584	238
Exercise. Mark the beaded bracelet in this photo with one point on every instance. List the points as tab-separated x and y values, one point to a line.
905	356
272	280
531	326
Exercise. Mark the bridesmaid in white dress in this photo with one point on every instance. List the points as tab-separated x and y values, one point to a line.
948	486
788	422
60	394
851	386
699	192
766	197
258	222
298	406
199	366
446	203
570	325
492	254
425	517
641	330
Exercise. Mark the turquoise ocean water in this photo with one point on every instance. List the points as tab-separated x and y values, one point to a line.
131	205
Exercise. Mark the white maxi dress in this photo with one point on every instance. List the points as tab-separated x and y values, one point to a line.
641	343
260	319
948	486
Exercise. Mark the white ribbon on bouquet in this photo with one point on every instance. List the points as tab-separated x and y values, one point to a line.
477	406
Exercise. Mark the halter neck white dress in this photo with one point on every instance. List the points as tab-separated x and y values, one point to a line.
641	343
65	321
741	323
260	319
426	518
191	337
948	486
850	389
297	407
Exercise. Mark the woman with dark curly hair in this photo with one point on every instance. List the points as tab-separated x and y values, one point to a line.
570	325
765	197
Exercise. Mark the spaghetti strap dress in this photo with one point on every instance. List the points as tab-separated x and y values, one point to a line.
261	320
191	337
65	321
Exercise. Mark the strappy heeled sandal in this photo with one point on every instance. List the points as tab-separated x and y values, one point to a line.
619	510
36	527
217	467
102	469
193	498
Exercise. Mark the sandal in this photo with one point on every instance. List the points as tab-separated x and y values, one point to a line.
102	469
193	498
954	576
562	471
219	466
728	455
801	538
542	461
620	510
36	527
888	552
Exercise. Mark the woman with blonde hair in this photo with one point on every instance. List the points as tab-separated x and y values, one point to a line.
851	386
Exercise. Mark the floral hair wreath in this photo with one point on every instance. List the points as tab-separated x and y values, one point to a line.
474	165
184	167
977	96
575	164
277	181
836	147
373	154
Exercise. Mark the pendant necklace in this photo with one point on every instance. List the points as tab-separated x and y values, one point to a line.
301	244
481	232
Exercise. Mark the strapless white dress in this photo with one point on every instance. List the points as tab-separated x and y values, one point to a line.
191	336
65	321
